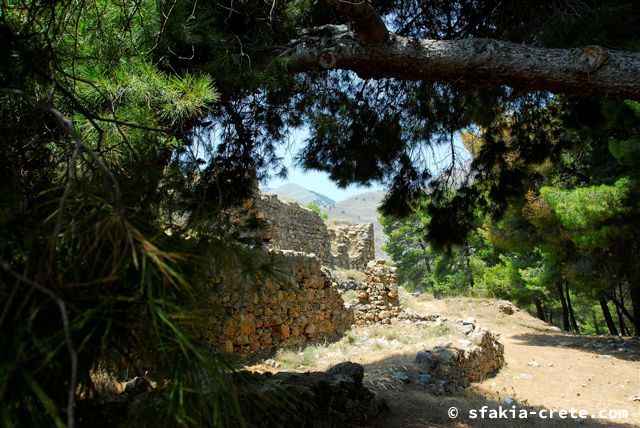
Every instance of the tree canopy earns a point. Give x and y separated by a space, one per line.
129 128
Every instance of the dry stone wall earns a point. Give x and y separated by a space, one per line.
352 245
292 227
378 295
452 367
335 398
299 303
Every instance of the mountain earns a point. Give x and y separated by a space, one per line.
360 208
294 192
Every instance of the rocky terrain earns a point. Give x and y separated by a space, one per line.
544 368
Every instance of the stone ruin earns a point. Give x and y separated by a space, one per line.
292 227
352 245
449 368
302 302
297 304
377 295
335 398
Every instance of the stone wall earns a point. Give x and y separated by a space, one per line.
297 304
352 245
292 227
378 295
335 398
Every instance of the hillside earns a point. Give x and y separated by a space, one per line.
294 192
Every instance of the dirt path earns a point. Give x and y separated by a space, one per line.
545 369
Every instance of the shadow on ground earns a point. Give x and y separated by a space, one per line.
627 348
419 409
412 406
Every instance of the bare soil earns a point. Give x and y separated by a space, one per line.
545 370
588 373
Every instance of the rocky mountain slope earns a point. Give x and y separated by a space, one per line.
294 192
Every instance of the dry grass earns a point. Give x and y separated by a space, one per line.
365 345
349 296
106 385
352 274
414 302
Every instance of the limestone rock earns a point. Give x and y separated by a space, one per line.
506 308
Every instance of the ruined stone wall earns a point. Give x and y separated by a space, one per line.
377 295
352 245
298 304
292 227
449 368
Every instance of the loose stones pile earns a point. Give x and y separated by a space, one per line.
298 304
378 295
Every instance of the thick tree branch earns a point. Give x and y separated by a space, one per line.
366 22
475 62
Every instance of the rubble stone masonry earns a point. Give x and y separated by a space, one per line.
292 227
296 304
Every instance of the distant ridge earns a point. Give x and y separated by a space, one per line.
294 192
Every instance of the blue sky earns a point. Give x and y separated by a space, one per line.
312 180
439 157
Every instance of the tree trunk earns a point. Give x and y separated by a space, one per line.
425 255
467 257
634 293
565 311
572 315
539 309
594 319
621 307
623 329
476 63
608 319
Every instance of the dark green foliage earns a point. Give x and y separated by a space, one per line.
109 224
316 208
567 244
129 128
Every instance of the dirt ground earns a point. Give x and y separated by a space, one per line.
590 373
545 370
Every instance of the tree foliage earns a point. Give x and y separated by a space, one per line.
129 128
